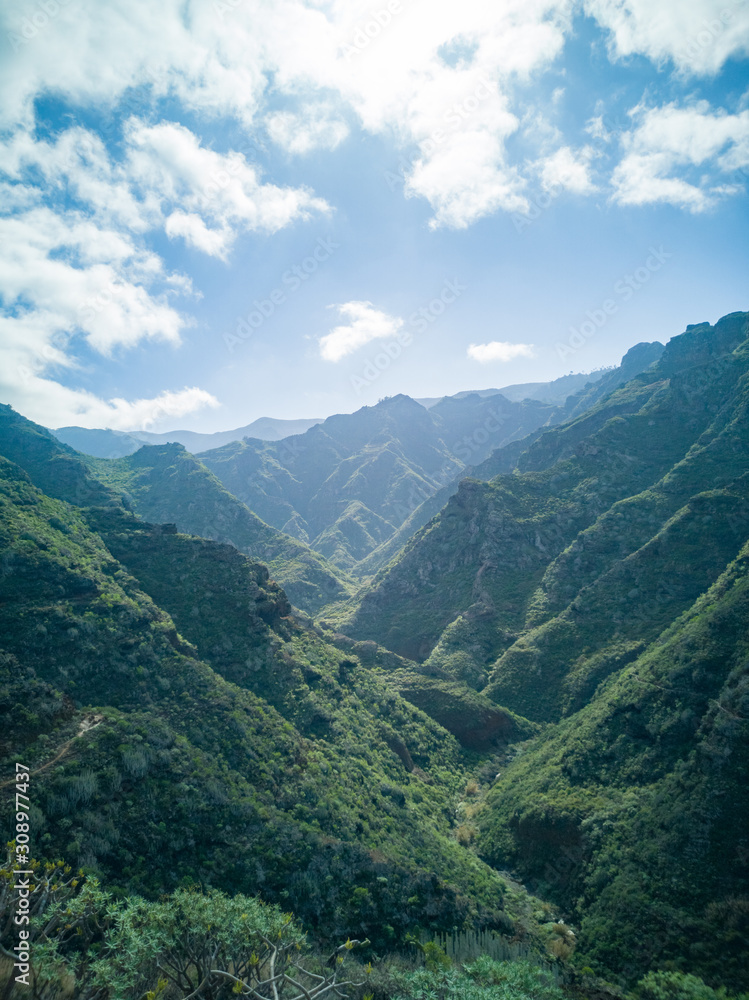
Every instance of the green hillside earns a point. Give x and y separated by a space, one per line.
164 483
600 591
525 735
180 727
348 484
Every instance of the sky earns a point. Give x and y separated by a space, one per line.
216 210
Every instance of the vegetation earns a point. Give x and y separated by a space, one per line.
599 591
163 483
182 728
548 683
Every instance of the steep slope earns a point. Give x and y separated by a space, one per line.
384 457
465 587
601 590
240 751
348 484
632 813
505 456
164 483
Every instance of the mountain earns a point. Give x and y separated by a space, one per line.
505 457
116 444
548 682
102 443
545 392
600 590
264 428
180 726
164 483
365 476
632 812
347 484
477 565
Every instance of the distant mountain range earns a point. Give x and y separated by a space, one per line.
335 500
116 444
545 392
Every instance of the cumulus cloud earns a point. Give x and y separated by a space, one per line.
439 81
499 350
366 324
439 78
668 150
98 54
80 278
698 37
53 405
451 118
85 271
217 194
34 349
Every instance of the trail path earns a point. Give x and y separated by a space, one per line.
88 723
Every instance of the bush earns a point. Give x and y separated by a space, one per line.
677 986
483 979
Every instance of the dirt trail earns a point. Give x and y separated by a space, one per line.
87 724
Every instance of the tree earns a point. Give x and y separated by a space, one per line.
211 946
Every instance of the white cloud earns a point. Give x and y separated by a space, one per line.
95 54
213 195
569 169
317 127
85 271
499 350
451 120
451 117
698 36
668 151
33 348
165 179
82 278
465 179
456 118
367 323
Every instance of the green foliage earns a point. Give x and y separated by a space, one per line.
483 979
163 483
348 484
676 986
204 944
182 728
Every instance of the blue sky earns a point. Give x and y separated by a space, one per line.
216 211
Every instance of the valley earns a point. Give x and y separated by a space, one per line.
413 674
